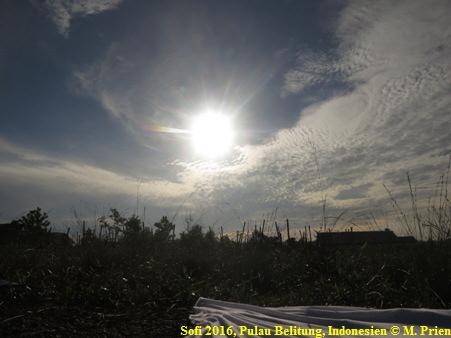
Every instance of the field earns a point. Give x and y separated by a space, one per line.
147 285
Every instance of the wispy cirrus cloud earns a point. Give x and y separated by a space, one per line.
63 11
137 93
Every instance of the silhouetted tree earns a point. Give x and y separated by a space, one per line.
164 229
133 225
35 221
133 230
195 238
118 222
210 236
193 234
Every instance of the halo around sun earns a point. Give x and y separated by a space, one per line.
212 135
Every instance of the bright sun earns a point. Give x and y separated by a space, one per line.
212 135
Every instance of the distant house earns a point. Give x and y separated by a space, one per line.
361 237
11 231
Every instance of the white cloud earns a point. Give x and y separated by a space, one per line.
108 81
312 68
63 11
43 180
393 59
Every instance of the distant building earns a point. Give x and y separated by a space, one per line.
361 237
10 232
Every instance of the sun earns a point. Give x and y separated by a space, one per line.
212 135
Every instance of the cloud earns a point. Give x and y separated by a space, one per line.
372 37
355 192
63 11
391 58
313 68
137 91
37 179
394 58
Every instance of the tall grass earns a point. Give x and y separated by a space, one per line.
151 286
435 223
438 218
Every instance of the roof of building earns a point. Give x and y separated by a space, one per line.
360 237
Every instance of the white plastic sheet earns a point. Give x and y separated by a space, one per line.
213 318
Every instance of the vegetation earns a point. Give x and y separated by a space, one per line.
128 280
147 285
35 221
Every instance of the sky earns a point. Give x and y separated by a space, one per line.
327 101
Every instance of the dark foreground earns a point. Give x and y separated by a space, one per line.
147 288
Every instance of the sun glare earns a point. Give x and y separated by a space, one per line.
212 135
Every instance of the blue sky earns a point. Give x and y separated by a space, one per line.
327 99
